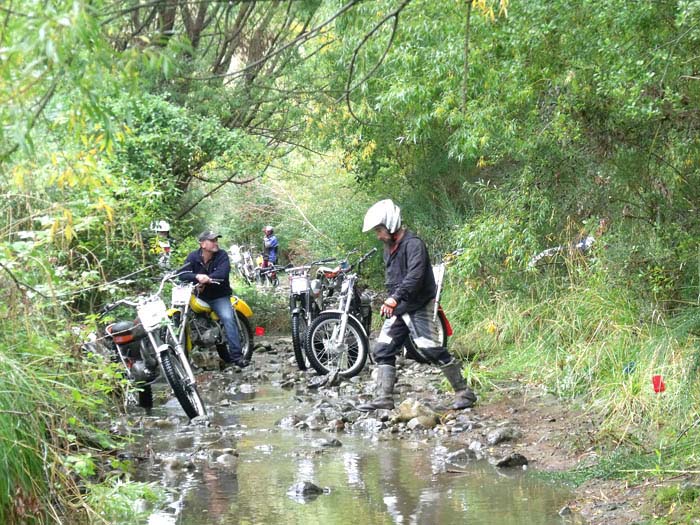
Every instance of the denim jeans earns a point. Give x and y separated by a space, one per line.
223 308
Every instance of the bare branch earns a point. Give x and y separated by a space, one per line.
298 40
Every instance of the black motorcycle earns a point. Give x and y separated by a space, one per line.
305 303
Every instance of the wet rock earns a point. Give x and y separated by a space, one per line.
247 388
502 434
369 424
512 460
289 421
177 463
352 415
216 452
422 423
461 457
305 488
263 347
332 443
383 414
227 460
475 446
316 421
466 422
565 511
336 425
411 408
304 491
162 423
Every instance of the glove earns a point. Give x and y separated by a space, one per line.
387 309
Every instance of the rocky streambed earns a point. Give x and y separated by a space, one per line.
284 446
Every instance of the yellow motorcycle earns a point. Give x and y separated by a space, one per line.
198 326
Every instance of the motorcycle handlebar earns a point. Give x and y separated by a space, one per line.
112 306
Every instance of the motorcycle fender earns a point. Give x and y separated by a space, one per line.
448 326
296 310
162 348
241 306
172 311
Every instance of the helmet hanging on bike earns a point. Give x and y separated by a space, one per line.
383 213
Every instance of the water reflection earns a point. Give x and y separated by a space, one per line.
369 479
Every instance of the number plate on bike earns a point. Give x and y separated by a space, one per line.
152 313
181 295
300 284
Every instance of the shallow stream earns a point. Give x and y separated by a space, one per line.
367 478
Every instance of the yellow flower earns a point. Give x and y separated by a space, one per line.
492 328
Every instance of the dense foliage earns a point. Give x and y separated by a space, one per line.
501 127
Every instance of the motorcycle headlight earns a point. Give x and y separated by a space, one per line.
300 284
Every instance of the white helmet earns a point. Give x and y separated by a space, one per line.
384 212
161 226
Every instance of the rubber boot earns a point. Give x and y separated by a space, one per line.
464 397
384 399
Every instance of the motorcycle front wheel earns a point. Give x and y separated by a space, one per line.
348 358
299 329
185 392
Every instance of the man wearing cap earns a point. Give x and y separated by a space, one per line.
209 267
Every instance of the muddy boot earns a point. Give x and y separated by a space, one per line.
464 397
384 399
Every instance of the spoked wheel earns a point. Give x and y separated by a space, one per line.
348 357
184 390
299 329
411 351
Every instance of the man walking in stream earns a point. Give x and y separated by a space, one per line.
408 309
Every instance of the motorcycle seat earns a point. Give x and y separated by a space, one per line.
123 332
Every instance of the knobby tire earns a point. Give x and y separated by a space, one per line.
326 360
299 329
187 395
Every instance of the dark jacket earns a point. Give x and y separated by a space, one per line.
218 268
409 274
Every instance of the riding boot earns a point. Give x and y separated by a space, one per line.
464 397
384 398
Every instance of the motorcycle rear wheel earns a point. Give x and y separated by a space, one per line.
186 393
411 351
299 329
245 332
325 359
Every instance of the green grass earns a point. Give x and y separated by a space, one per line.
23 484
582 338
